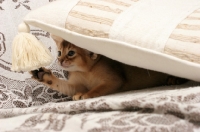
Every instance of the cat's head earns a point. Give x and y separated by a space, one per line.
73 58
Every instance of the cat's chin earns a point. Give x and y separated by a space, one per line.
69 68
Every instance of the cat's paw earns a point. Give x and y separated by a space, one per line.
77 96
40 74
81 96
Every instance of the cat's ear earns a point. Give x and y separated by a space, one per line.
93 56
57 39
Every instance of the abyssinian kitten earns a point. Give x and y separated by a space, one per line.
92 75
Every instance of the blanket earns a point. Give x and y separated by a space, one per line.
26 105
166 108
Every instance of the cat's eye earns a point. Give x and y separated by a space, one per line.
59 53
71 53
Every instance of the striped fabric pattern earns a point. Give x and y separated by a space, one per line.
184 42
86 18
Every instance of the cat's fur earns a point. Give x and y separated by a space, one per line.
92 75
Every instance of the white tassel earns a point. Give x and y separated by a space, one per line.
27 52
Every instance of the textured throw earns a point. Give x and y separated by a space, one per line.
168 109
28 106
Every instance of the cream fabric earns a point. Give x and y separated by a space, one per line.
59 10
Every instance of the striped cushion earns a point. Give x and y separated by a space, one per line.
101 16
91 24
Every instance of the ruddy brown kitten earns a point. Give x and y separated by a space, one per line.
92 75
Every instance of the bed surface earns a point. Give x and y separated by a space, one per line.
166 108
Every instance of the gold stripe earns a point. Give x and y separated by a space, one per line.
100 7
193 18
197 11
182 55
117 2
91 18
184 38
92 33
135 0
188 27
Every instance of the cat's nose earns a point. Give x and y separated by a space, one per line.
60 61
65 63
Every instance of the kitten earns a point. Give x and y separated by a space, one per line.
92 75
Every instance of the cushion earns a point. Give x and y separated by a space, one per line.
161 35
